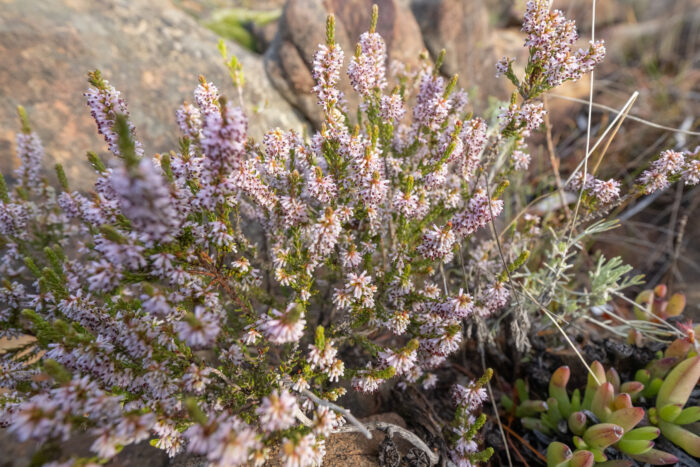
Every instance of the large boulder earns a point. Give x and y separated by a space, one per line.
289 60
151 51
471 44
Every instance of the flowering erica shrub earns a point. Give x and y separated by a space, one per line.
219 299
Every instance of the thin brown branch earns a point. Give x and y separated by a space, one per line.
345 412
517 451
525 443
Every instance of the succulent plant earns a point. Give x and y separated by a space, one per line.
652 305
670 416
654 301
560 455
605 417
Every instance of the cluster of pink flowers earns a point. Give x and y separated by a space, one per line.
226 440
391 108
367 70
604 192
30 153
200 330
280 328
671 166
523 119
479 213
189 119
468 400
328 62
551 37
145 199
470 396
105 104
432 106
521 160
13 219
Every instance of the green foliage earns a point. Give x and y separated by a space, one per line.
127 147
95 162
57 371
608 277
557 288
24 120
464 427
235 24
234 67
4 194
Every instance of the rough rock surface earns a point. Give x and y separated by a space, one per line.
461 27
289 59
151 51
353 449
472 46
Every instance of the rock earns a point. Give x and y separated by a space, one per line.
361 404
151 51
139 455
461 28
610 13
344 449
14 454
264 35
664 38
204 8
472 46
188 460
289 59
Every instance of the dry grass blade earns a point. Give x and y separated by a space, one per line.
630 117
622 116
495 411
553 319
625 109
